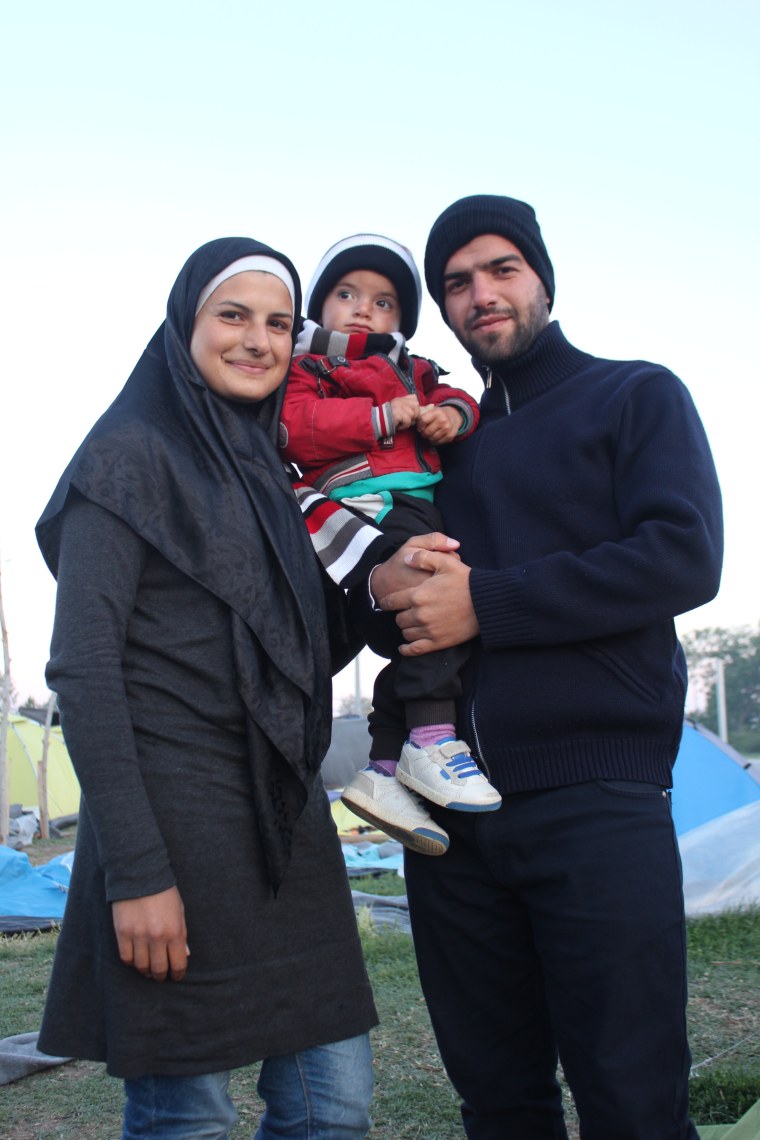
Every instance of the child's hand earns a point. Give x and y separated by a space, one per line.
439 423
404 410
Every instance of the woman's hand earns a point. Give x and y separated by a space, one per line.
152 936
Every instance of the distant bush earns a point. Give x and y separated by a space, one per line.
746 741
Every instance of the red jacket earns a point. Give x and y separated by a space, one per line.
336 420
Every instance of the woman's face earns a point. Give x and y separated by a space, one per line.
242 336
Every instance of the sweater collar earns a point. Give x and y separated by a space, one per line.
548 362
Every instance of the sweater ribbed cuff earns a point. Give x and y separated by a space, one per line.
496 598
383 425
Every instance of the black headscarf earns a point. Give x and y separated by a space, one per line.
200 479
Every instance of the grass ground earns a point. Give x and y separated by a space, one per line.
413 1097
724 1015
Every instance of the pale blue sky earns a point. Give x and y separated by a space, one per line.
131 133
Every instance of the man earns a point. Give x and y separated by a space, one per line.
588 512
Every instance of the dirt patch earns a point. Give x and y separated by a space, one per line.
43 850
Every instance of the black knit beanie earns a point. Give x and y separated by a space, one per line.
479 214
368 251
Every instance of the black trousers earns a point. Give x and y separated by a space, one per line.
413 691
553 928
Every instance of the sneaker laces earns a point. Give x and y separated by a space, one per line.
462 763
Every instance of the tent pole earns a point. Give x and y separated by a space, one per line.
720 696
357 687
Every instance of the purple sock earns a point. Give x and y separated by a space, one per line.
431 734
384 767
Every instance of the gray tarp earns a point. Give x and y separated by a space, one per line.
721 862
19 1057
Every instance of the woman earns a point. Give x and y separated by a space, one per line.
209 922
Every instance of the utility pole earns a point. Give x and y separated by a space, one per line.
720 698
357 686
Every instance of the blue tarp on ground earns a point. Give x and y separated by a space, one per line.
372 858
38 892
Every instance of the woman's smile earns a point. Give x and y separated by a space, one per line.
241 340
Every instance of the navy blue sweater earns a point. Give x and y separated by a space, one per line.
588 506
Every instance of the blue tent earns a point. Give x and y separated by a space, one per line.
710 778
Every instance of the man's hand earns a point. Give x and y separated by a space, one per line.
152 935
399 573
404 410
436 610
439 423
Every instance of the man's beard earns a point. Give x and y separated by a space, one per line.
506 345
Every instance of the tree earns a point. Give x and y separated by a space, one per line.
739 650
347 706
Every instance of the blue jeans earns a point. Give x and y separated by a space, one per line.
318 1094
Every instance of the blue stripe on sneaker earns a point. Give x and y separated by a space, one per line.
457 806
444 842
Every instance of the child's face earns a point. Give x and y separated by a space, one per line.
362 301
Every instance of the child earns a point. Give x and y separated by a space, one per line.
360 419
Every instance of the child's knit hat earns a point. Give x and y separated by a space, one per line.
479 214
369 251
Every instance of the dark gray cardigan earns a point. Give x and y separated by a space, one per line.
142 661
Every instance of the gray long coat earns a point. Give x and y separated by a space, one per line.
142 660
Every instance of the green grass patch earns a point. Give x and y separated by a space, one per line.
733 936
24 973
413 1097
724 1094
724 1014
386 883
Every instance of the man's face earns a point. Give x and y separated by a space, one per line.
495 303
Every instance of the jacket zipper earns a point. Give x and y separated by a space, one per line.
474 741
489 382
477 747
407 379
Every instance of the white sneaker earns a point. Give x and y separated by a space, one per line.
382 801
446 774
